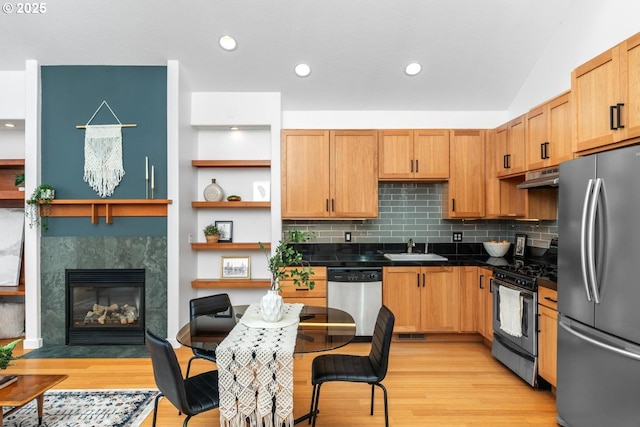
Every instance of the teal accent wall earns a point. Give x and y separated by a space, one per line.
70 96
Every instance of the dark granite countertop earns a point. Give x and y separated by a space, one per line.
372 255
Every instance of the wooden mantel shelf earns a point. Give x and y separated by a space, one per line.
108 208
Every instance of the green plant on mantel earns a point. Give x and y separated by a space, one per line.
286 256
41 197
6 354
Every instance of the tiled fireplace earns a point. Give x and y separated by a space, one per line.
59 254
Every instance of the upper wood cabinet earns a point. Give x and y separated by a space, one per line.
510 148
413 155
605 95
329 174
505 200
464 193
548 133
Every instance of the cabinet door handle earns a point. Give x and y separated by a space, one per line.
417 166
555 301
506 161
491 285
326 205
333 205
546 150
453 205
619 111
424 279
418 279
542 151
482 281
411 165
612 109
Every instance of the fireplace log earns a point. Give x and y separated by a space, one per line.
112 314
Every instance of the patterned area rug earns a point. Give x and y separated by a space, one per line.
87 408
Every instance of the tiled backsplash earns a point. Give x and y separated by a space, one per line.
413 211
60 253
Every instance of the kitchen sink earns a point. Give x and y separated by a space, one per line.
414 257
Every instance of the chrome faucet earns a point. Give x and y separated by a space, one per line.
410 246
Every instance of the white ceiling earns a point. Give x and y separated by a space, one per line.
476 54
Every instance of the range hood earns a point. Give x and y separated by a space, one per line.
541 178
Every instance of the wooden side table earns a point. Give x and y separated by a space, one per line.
23 391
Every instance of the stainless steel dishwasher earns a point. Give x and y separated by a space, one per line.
358 291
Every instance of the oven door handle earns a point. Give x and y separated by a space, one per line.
523 292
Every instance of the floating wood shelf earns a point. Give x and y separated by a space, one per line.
12 163
231 205
228 246
11 195
231 283
231 163
108 208
11 290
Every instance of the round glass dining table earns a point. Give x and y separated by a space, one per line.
319 329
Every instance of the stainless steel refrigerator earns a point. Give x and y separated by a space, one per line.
599 290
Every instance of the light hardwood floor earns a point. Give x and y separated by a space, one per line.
429 384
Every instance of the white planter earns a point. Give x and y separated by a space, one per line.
271 307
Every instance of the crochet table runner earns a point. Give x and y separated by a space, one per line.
255 369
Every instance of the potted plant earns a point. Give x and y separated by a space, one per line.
39 206
19 179
211 233
286 262
6 356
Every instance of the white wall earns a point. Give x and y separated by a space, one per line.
590 28
12 94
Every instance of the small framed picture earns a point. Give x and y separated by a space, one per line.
261 191
521 244
226 230
235 267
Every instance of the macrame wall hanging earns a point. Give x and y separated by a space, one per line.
103 168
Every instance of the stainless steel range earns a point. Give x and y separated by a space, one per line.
515 315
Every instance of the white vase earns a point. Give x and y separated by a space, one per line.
271 307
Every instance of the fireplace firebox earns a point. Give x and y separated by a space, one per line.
105 306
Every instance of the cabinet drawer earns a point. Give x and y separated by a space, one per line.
548 298
289 290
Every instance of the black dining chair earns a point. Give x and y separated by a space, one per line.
214 306
369 369
191 396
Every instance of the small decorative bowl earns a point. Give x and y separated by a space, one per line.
496 249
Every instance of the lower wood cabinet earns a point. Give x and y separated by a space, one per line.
423 299
302 294
469 299
485 303
548 334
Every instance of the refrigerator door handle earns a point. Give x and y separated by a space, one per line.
591 240
583 239
597 343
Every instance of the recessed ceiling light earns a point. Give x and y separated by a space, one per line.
10 125
228 43
234 128
302 70
413 68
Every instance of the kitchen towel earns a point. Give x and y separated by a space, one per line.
510 311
